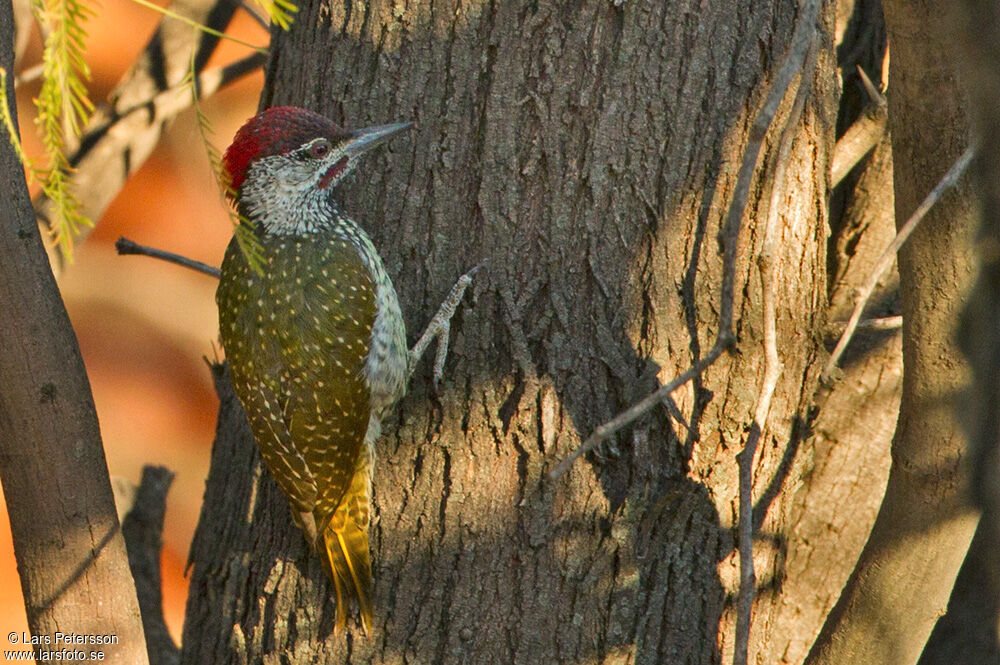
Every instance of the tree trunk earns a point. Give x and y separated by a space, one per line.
67 540
587 153
976 597
903 580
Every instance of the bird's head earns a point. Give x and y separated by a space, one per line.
290 156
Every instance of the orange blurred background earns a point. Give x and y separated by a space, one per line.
144 326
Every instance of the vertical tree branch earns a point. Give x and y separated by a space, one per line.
767 266
902 580
142 528
70 552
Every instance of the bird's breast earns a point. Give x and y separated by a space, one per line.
323 306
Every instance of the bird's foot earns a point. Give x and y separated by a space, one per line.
440 327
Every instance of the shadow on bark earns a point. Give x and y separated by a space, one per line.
603 275
256 589
967 634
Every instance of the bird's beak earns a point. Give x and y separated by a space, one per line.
363 140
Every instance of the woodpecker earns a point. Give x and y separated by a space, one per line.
314 335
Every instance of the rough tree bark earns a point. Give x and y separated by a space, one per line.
66 534
586 152
847 464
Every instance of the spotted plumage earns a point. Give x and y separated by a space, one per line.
315 340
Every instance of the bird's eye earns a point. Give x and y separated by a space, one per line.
320 149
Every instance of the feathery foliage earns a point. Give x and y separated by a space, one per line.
63 108
279 11
243 228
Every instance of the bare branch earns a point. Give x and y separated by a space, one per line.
729 235
889 255
857 142
801 39
69 549
874 93
767 267
861 137
126 247
636 411
675 413
142 529
881 323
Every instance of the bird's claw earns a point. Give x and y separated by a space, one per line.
440 327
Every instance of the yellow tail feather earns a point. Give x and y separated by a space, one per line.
348 563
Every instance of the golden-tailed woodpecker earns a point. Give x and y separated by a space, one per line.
313 334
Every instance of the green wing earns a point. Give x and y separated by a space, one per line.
297 338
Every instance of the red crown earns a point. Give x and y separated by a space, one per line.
274 131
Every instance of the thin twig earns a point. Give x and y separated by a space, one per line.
880 323
729 237
883 323
801 39
126 246
767 267
874 93
675 413
29 74
889 255
636 411
861 137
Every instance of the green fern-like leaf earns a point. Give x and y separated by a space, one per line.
63 107
69 220
243 228
279 11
